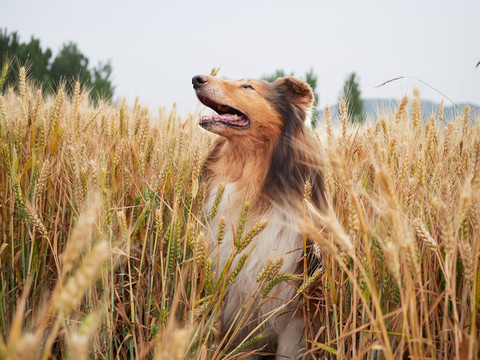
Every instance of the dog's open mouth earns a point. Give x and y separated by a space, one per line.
225 115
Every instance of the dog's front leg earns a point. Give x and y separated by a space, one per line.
291 340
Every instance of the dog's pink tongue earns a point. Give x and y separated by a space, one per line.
216 117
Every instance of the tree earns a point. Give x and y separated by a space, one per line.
8 48
352 95
68 66
8 44
29 55
102 86
70 63
310 78
36 59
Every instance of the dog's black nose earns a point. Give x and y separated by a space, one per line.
199 80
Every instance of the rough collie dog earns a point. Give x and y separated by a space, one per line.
264 155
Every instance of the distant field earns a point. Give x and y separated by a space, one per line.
103 253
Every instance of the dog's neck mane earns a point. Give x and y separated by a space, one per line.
246 166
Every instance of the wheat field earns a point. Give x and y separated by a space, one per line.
104 248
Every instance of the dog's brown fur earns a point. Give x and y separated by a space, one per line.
267 160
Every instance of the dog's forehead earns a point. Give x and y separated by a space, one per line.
256 82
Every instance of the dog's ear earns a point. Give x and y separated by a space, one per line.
297 90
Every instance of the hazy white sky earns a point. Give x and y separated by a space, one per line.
157 46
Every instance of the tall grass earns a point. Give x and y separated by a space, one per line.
104 243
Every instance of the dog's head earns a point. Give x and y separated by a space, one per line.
253 108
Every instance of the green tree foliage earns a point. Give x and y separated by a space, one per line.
68 66
9 44
310 78
37 59
70 63
30 54
102 81
352 95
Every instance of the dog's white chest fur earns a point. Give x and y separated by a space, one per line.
279 239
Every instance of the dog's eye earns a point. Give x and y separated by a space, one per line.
246 86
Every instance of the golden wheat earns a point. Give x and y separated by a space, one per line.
102 217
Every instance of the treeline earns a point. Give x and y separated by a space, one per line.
69 66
